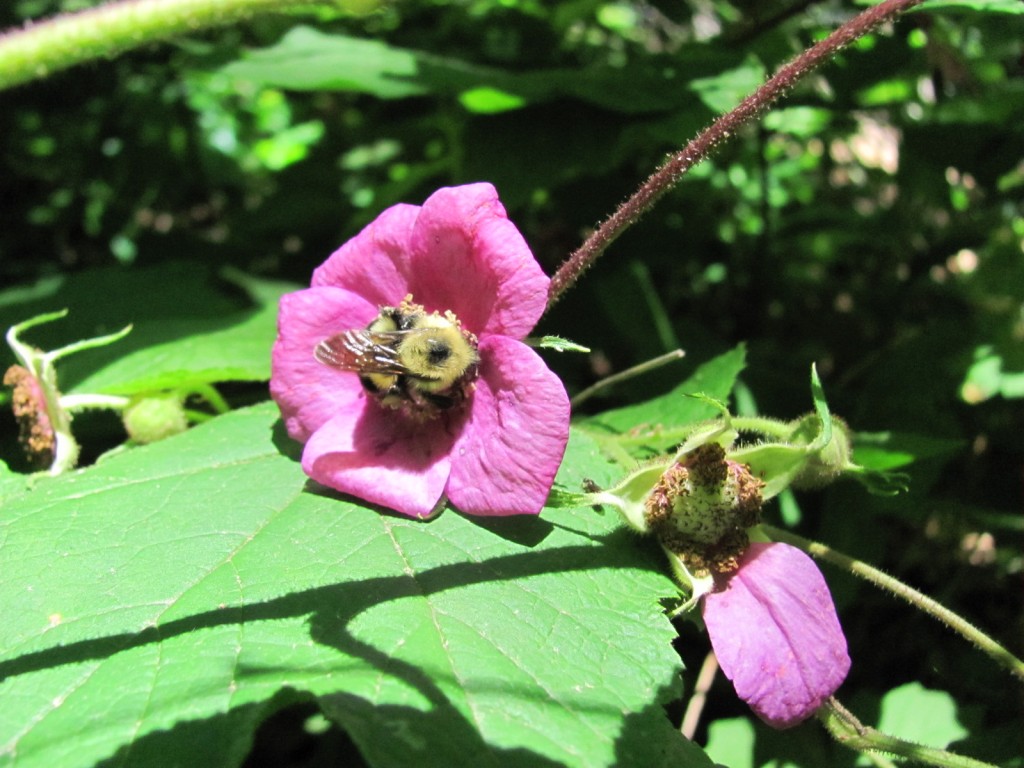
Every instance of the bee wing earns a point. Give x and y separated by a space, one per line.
360 351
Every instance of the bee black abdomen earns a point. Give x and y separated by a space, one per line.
401 321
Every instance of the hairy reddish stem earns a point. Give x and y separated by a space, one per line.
665 177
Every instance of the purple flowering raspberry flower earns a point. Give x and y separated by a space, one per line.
495 447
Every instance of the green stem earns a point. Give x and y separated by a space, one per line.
629 373
41 49
210 394
659 313
920 601
198 417
74 403
848 731
763 425
79 346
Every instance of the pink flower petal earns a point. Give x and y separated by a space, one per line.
375 263
457 252
508 453
383 457
471 259
308 392
776 634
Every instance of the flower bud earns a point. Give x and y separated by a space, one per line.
826 464
151 418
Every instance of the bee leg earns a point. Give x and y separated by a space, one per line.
442 401
431 400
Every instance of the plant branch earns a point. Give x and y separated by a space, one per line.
917 599
629 373
38 50
850 732
663 179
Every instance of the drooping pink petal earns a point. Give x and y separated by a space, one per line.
472 260
375 263
309 393
776 634
384 457
509 450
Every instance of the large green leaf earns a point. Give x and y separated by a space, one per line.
159 604
232 347
914 713
188 326
307 59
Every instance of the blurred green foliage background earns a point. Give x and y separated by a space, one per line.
873 223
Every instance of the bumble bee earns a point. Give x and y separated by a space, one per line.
407 357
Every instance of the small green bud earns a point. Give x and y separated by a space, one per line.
154 417
825 465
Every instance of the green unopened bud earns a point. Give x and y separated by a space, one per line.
828 462
701 507
154 417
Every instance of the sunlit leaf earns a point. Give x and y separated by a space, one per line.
489 101
731 742
927 717
188 328
308 59
658 424
158 603
980 6
724 91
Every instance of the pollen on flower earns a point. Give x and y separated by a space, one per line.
708 465
723 556
701 507
36 433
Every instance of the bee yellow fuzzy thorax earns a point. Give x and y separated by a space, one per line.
406 358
